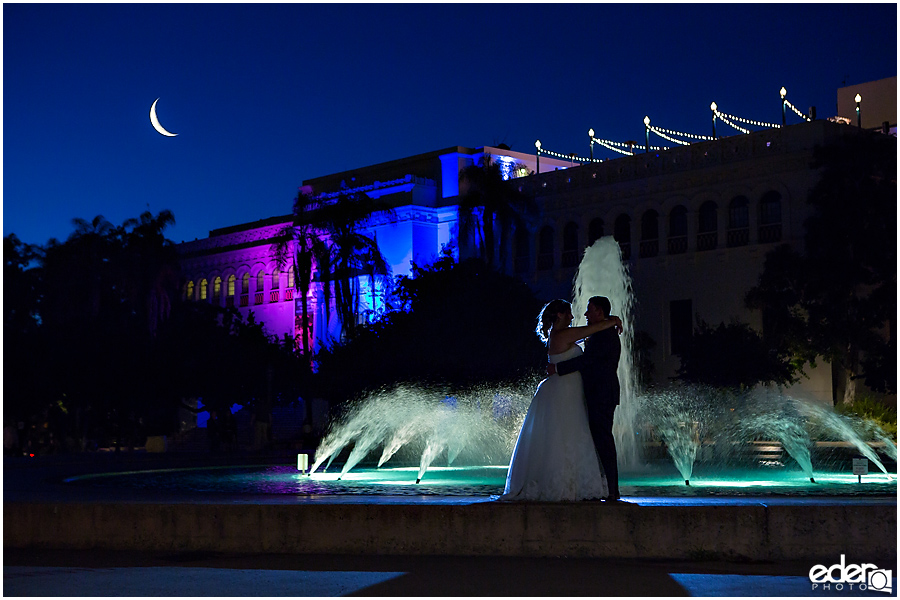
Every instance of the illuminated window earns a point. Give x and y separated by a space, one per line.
231 285
217 286
260 280
245 284
290 281
203 286
276 279
189 291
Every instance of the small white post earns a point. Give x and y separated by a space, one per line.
860 467
302 462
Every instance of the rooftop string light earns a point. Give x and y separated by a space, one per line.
667 133
542 150
786 102
618 145
727 119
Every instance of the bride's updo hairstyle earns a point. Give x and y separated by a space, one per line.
547 317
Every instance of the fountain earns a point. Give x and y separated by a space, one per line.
416 439
687 419
602 272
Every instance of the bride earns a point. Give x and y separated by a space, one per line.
555 458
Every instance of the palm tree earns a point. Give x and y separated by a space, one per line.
91 241
353 251
325 235
149 266
302 242
490 203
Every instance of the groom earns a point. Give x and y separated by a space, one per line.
598 366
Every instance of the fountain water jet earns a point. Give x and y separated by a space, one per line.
602 272
843 427
423 421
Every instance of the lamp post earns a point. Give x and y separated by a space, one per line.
713 108
537 144
591 136
858 116
647 132
783 93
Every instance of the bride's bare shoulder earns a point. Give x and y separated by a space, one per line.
558 344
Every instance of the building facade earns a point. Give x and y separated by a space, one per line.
237 266
694 222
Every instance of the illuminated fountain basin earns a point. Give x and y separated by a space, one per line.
658 480
480 427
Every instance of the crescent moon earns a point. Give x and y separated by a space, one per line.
155 122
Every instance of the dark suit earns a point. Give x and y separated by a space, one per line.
598 366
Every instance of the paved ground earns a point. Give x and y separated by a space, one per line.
37 572
97 573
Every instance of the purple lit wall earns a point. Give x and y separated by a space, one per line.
424 222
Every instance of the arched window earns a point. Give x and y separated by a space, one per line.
290 281
595 230
245 289
678 230
276 279
707 234
622 234
523 250
738 222
229 290
570 245
203 286
189 290
545 248
217 286
770 217
649 234
260 286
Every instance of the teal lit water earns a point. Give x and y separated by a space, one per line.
485 481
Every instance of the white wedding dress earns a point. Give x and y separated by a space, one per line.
554 458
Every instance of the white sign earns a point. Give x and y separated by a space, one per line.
860 466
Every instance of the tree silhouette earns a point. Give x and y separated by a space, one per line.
489 205
838 299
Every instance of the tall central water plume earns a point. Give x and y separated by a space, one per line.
602 272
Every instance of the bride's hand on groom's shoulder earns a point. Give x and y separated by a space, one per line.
618 325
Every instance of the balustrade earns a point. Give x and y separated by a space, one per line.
649 248
770 233
737 237
678 244
707 241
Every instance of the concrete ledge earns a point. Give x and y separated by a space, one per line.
585 529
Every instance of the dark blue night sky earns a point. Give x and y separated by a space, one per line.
265 96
